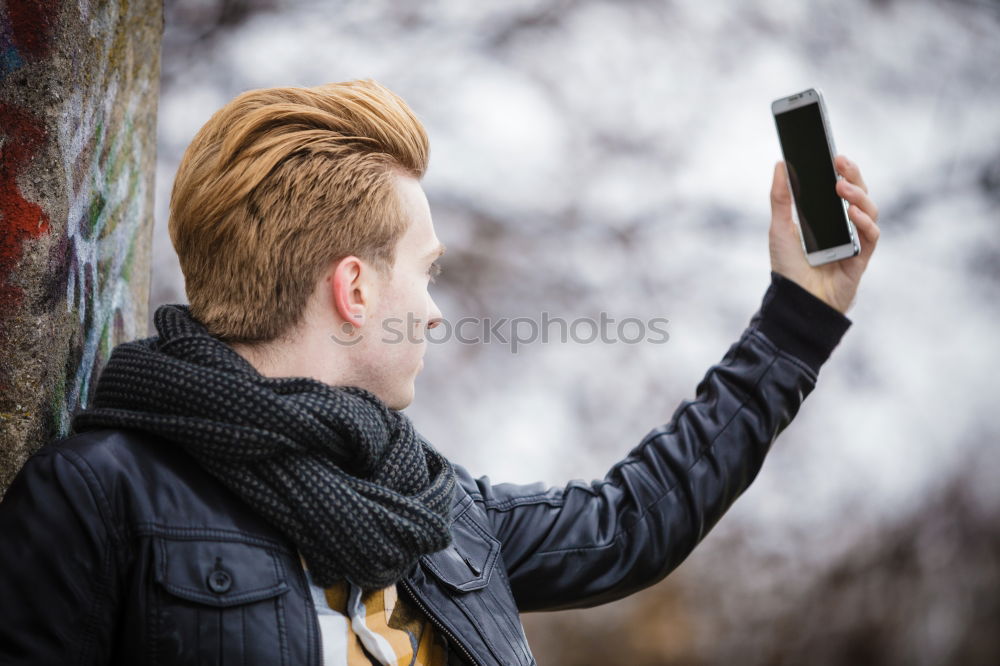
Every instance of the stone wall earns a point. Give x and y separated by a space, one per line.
79 84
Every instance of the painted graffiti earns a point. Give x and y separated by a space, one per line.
22 219
25 33
101 151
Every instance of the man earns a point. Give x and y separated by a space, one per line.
243 487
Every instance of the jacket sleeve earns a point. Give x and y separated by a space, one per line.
589 543
56 556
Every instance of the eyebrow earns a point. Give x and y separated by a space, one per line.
436 252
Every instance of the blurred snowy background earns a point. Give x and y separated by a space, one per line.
594 156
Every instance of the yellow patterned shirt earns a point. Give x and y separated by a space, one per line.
376 627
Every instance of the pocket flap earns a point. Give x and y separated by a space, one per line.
467 563
218 573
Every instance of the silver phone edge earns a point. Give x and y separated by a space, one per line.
830 254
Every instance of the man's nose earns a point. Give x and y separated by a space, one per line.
434 317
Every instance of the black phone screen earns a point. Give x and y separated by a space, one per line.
812 178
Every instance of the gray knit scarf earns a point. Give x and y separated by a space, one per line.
354 486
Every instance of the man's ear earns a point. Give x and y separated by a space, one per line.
351 297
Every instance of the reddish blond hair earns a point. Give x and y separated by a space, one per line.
279 184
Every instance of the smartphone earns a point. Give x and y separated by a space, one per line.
826 232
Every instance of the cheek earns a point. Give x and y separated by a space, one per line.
416 307
403 327
408 297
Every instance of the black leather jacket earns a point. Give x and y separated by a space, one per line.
117 548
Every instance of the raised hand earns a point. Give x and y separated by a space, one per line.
835 283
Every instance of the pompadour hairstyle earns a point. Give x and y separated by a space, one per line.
279 184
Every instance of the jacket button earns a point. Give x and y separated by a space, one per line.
219 581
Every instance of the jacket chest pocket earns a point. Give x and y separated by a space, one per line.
472 570
468 562
218 602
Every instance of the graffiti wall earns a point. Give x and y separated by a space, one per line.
78 97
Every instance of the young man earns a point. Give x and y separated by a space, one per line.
243 488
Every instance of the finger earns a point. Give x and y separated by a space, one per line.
850 171
867 228
858 197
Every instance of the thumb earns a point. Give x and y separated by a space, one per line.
781 198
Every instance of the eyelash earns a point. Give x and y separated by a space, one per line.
434 271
